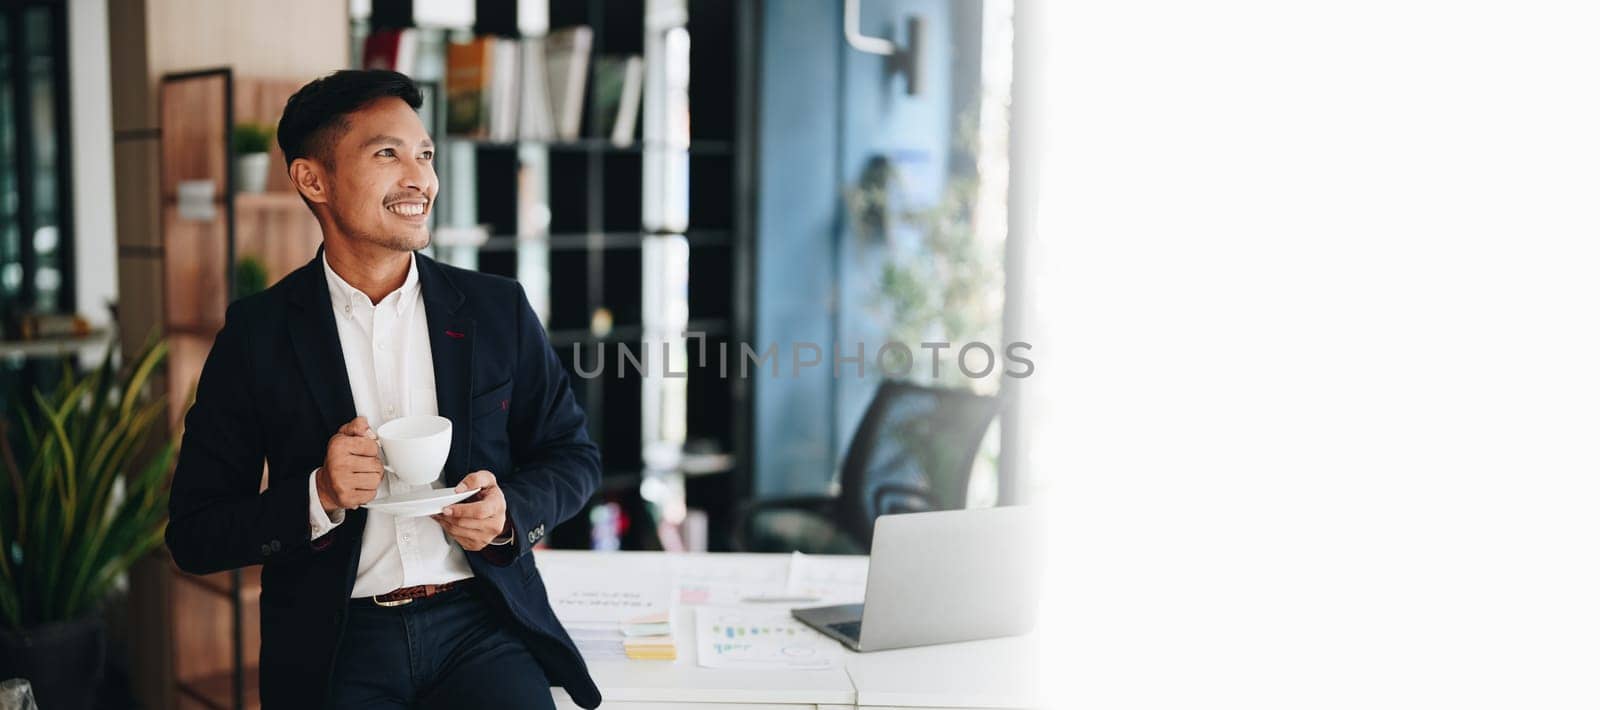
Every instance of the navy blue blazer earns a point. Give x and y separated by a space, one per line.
274 389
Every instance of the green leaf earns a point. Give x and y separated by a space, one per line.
66 534
135 384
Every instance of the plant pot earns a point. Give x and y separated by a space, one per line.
64 661
250 172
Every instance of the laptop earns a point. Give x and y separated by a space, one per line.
940 577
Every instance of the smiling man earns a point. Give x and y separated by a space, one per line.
361 609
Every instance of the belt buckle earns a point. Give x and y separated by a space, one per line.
397 602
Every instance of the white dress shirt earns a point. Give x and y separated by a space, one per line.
390 365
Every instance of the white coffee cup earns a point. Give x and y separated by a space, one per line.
414 448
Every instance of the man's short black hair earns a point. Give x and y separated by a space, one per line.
316 117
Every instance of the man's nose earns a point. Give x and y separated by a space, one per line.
419 176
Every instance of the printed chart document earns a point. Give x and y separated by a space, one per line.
606 609
828 579
801 580
746 638
588 591
725 580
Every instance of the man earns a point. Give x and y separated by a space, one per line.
360 609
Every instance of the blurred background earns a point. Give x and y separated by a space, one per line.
765 193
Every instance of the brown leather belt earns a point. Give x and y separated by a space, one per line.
406 595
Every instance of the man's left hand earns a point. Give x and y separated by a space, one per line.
479 519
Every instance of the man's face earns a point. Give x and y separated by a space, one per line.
382 185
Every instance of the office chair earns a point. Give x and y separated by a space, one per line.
911 452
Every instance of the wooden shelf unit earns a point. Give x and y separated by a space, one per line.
215 619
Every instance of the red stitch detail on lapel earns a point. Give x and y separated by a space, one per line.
505 404
455 335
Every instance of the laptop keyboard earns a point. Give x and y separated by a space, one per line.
850 629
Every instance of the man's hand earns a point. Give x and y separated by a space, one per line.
351 470
479 519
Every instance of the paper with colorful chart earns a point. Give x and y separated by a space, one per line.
740 637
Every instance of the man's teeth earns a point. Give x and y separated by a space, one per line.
409 209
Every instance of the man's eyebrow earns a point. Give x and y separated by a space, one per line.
385 139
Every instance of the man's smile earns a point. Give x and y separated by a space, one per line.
408 208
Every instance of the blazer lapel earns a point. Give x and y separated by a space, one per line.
450 338
315 338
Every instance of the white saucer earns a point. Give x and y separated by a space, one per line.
423 501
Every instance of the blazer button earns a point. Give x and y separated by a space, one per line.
538 532
266 549
276 546
532 537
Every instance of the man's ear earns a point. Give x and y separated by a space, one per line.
310 179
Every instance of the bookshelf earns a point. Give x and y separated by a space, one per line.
630 245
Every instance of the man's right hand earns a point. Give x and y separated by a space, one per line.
351 470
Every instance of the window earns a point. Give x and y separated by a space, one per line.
35 215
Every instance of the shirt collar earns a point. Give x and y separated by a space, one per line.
343 294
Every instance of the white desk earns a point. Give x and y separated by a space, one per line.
998 673
980 674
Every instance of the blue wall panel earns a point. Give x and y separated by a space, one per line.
825 111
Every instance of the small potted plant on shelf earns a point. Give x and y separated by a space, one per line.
84 496
249 276
251 141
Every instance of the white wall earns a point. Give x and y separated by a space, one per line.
1321 290
94 199
284 39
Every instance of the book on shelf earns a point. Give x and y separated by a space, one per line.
534 88
391 49
467 87
567 64
503 90
627 123
535 121
618 87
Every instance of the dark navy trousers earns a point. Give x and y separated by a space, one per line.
451 650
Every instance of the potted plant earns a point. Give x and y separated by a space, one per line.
251 141
249 276
939 279
84 497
